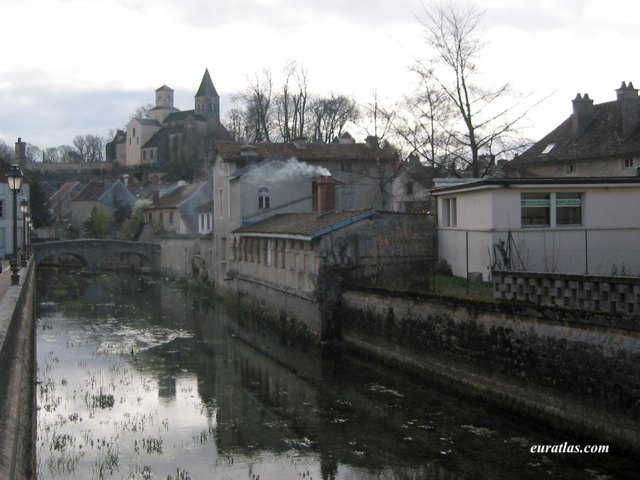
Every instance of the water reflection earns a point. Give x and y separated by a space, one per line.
138 379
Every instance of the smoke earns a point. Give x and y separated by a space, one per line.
284 171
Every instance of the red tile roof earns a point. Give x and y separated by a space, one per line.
309 225
231 151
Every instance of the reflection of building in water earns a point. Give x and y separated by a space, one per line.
167 387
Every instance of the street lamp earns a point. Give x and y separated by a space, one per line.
14 182
24 208
27 242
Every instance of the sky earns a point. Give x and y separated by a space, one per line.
77 67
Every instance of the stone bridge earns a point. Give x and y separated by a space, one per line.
93 253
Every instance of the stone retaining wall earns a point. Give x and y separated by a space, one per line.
17 381
563 367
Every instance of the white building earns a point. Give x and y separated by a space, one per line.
555 225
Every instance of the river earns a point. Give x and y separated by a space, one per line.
139 378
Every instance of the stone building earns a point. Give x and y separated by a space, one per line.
169 134
601 140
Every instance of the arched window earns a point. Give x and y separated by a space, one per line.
264 197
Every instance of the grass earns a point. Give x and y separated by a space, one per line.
457 287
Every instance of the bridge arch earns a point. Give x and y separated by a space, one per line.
94 253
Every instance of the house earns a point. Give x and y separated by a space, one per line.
255 182
178 212
168 133
411 187
60 201
601 140
111 195
288 262
570 225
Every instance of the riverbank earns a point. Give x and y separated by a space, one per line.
576 374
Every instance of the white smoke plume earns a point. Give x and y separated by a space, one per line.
284 171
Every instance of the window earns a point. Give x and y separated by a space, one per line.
627 163
536 209
409 188
568 209
144 154
571 167
449 212
170 217
548 148
161 217
264 198
1 208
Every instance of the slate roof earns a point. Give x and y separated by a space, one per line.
309 225
206 86
602 139
177 196
182 115
148 121
92 191
59 194
231 151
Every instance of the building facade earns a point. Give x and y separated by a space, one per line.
597 140
169 134
581 225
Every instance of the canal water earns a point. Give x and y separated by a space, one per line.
141 379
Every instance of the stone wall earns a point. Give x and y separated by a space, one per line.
576 370
18 380
584 292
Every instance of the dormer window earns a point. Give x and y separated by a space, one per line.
264 197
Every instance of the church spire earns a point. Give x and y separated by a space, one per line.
206 86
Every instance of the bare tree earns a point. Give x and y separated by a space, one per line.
330 115
142 111
89 148
235 122
6 152
257 100
483 114
291 103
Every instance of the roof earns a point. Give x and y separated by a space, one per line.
205 207
537 181
62 191
182 115
231 151
177 196
164 87
305 226
602 138
147 121
206 86
92 191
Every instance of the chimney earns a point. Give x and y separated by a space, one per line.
326 195
131 185
248 152
629 108
300 143
371 141
582 114
21 153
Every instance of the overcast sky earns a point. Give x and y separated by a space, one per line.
72 67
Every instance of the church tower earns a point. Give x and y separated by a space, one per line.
208 101
164 104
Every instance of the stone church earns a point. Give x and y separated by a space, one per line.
168 134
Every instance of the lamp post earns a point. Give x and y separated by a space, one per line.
27 242
14 182
24 208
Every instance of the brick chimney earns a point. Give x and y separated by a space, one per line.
627 98
582 114
326 195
